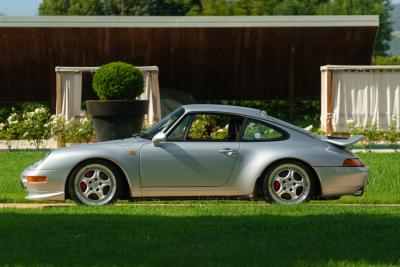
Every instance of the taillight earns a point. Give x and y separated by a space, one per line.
353 163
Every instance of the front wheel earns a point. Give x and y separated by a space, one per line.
288 182
94 183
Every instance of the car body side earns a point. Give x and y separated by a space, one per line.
326 161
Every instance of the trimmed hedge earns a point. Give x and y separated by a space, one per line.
118 81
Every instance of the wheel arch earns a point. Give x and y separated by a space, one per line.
123 172
258 191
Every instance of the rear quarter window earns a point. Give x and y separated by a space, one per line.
258 131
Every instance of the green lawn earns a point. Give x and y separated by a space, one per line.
201 235
383 186
383 182
11 165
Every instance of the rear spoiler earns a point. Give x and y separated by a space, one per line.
344 142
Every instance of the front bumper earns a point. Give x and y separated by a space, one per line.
53 189
342 180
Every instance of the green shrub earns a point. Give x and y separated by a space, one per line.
35 126
28 125
10 129
73 131
79 131
392 135
307 112
7 109
276 108
384 60
118 81
371 134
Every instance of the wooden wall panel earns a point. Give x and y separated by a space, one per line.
210 63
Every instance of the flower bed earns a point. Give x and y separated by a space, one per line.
37 126
374 137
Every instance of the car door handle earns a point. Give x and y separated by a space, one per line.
228 151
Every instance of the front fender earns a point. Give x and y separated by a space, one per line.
125 157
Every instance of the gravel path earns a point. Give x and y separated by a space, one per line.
48 205
24 144
33 205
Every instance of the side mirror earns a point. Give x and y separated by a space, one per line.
158 138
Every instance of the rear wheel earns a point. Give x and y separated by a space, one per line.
95 183
288 182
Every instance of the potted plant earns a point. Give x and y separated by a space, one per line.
117 114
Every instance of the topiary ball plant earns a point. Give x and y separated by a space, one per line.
118 81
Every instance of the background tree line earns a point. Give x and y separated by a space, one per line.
228 7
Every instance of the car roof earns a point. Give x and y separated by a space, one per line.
223 108
250 112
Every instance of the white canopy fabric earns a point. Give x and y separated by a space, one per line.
71 88
70 94
151 93
361 97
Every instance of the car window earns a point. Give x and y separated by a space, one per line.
178 134
260 131
214 127
165 123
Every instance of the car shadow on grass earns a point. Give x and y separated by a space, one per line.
152 240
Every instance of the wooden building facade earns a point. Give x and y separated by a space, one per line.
210 57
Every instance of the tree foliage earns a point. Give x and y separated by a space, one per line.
116 7
229 7
304 7
365 7
385 60
256 7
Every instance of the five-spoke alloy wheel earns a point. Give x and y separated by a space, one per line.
94 183
288 182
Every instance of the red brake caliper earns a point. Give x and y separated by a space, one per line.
89 174
83 185
277 185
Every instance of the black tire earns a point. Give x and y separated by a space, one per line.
282 187
101 169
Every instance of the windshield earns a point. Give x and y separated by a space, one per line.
164 124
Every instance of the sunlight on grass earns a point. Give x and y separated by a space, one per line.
383 185
11 165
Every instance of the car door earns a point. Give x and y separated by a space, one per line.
200 151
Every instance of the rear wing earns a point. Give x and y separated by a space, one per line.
344 142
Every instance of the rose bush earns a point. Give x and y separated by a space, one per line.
35 126
73 131
10 129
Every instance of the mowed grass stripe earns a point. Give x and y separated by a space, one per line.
383 186
201 235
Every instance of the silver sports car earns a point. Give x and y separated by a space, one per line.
203 150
